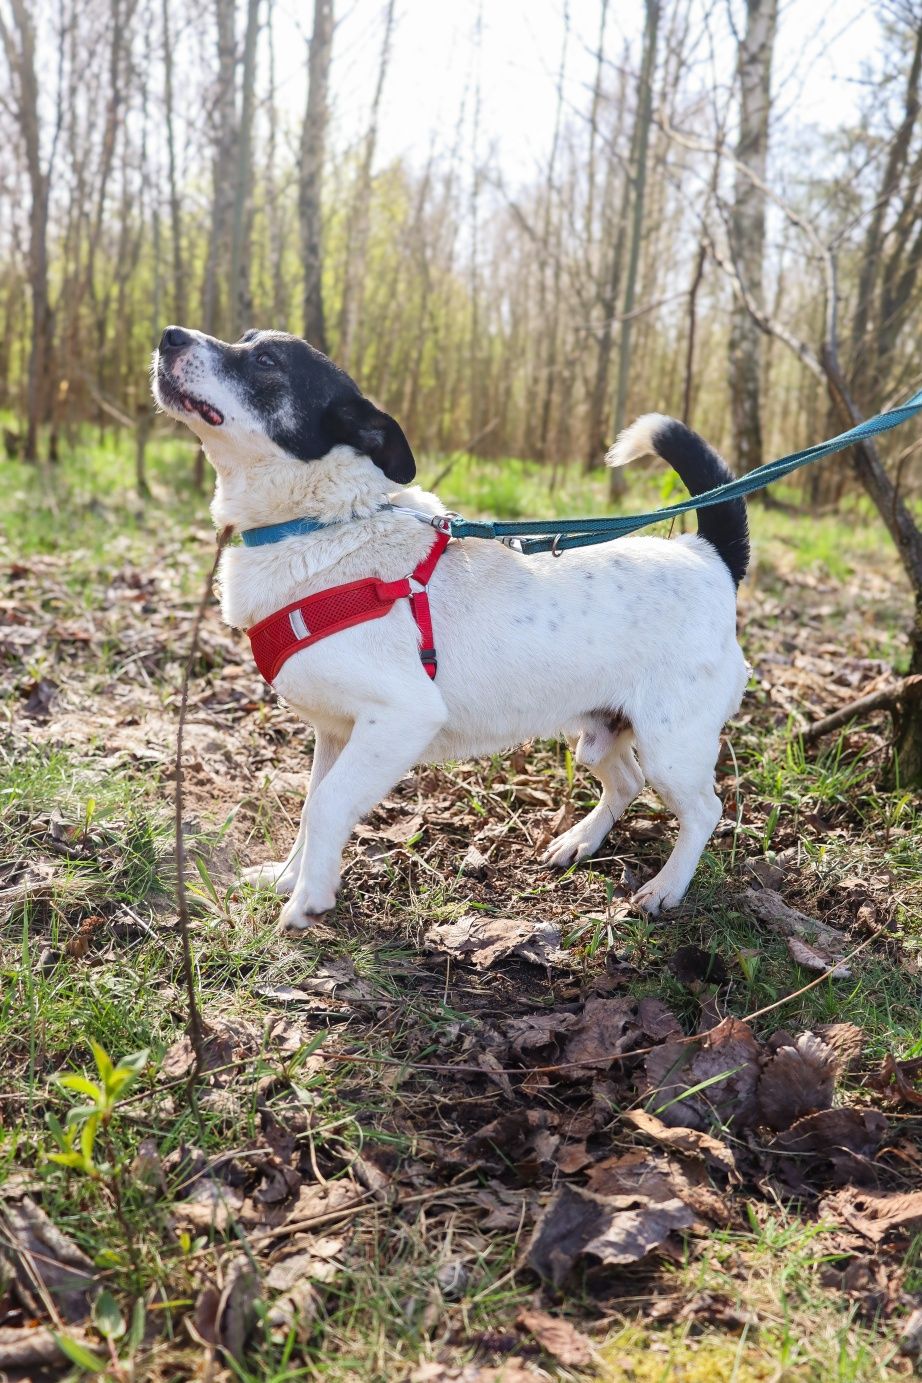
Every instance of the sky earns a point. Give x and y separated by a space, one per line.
821 47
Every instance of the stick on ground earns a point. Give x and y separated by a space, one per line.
883 700
196 1030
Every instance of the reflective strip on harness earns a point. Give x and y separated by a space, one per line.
305 622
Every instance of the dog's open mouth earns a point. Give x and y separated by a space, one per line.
177 398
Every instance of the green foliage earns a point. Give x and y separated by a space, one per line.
76 1140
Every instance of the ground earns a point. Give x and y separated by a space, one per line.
461 1132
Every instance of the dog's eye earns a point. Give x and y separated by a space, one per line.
264 358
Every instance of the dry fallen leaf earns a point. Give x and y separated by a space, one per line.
845 1039
705 1308
684 1140
568 1345
613 1229
28 1347
834 1144
294 1276
224 1314
661 1178
725 1064
899 1077
812 958
769 907
484 940
475 864
605 1030
798 1080
46 1260
874 1214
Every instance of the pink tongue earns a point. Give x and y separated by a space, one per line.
211 415
188 405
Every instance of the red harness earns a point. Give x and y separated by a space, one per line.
275 638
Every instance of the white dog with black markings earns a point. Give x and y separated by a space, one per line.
629 648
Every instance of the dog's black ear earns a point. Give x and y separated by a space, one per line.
357 422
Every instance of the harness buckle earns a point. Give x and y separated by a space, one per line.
427 657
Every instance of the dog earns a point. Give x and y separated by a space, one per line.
628 648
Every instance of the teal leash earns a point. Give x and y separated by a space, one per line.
556 535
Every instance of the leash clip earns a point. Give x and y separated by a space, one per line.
442 522
556 551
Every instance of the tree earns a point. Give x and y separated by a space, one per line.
310 180
240 307
747 227
18 41
224 140
639 145
890 264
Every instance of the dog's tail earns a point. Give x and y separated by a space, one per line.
699 468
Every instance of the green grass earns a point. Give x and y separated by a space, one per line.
101 817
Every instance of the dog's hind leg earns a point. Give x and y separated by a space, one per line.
385 744
612 761
282 875
681 769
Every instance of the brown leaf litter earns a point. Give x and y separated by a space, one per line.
52 1279
875 1214
558 1337
769 907
595 1152
485 940
611 1229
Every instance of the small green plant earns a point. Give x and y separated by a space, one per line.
123 1338
76 1138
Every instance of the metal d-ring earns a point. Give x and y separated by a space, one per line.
555 551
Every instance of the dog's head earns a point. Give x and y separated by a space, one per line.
273 391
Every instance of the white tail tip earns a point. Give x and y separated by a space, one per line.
635 441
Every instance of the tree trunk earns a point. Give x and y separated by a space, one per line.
224 141
310 182
747 229
240 306
610 264
19 45
639 178
552 249
179 266
907 538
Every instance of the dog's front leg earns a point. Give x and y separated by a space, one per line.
385 744
282 875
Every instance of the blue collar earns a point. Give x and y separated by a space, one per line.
275 532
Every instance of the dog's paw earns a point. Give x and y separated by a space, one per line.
272 875
574 845
657 896
300 914
295 924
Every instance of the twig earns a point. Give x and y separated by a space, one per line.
347 1211
885 699
196 1030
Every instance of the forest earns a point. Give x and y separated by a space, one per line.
490 1124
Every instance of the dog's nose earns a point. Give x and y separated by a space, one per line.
174 338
